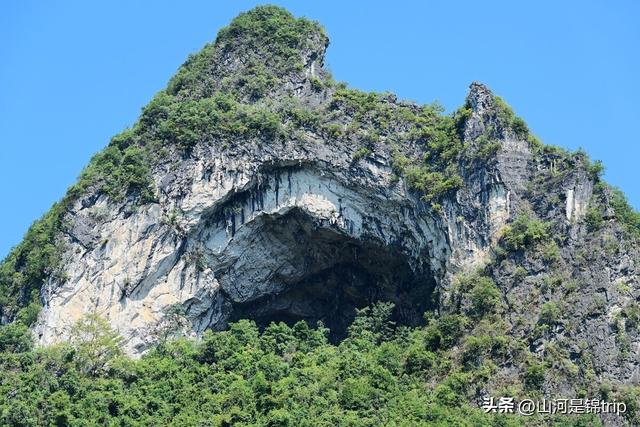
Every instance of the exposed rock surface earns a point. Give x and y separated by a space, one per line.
303 227
299 232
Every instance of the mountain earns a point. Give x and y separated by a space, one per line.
257 187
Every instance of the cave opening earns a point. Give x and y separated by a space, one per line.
326 274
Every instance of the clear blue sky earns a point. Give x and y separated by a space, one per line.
74 73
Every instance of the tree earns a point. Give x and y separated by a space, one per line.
485 296
95 344
172 325
373 323
15 338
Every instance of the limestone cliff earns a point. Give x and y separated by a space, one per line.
255 186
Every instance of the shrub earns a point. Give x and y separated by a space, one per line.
508 118
444 332
433 184
27 266
534 376
551 252
520 273
625 214
524 232
485 296
595 169
486 148
550 313
593 218
361 153
632 315
520 127
15 338
316 84
478 347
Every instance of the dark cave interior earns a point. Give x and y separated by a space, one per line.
338 273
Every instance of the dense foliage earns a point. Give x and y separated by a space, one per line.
283 376
427 146
380 374
524 232
29 265
271 43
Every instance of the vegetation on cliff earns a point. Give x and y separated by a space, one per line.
291 375
381 374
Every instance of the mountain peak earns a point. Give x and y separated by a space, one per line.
480 97
255 187
262 50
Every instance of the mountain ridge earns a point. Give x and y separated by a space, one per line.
253 171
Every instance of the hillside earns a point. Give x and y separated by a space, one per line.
213 265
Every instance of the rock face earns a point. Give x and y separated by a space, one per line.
277 233
319 218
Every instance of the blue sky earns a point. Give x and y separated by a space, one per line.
74 73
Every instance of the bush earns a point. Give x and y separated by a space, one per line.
485 296
520 127
29 264
593 218
437 172
361 153
478 347
534 376
433 184
550 313
525 232
444 332
551 252
486 148
631 313
119 170
595 170
15 338
191 122
509 119
625 214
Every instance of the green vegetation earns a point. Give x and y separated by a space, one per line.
525 232
361 153
487 148
631 314
120 170
593 218
381 374
625 214
534 376
508 117
595 169
485 296
29 264
550 313
268 38
436 171
168 121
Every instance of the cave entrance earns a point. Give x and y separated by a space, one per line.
326 274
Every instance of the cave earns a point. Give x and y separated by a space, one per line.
325 274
